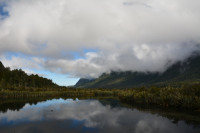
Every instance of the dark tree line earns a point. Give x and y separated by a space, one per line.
18 79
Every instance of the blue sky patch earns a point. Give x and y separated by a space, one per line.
60 79
81 55
3 12
9 55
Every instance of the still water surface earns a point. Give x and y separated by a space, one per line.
87 116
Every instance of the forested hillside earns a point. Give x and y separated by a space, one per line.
18 79
186 72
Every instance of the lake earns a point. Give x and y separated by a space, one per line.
91 116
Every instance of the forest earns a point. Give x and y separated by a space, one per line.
18 79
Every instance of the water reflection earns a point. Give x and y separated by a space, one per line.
86 116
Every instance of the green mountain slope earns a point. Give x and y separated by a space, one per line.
187 71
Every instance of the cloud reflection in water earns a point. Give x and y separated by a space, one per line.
85 116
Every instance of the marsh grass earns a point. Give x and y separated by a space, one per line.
181 97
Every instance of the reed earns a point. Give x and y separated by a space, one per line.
182 97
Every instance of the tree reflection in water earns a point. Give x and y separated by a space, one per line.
68 115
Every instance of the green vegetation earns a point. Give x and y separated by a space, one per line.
187 96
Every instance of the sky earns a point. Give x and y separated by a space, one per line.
65 40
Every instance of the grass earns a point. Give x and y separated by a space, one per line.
187 97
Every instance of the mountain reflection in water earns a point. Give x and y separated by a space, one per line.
85 116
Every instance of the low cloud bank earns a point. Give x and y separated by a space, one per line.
133 35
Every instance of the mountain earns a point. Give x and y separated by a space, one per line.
18 79
83 81
187 71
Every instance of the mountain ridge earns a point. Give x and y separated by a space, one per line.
176 74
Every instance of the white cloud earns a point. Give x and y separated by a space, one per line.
137 35
26 64
21 62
